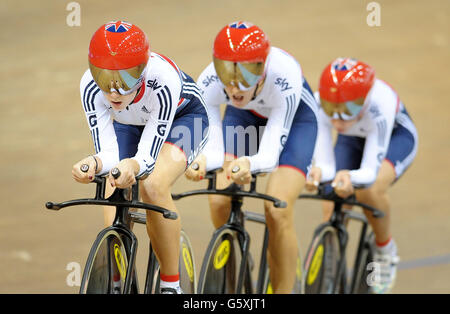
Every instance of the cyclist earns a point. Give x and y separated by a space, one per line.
377 141
269 125
141 110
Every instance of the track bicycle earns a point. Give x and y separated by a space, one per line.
110 267
325 263
227 265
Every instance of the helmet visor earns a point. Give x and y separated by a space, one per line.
345 110
243 75
124 81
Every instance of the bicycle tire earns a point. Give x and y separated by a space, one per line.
220 265
363 274
298 284
156 280
321 264
153 275
106 266
188 274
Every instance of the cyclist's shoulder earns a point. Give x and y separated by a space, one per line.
281 63
383 97
86 79
282 57
284 73
163 71
211 87
91 96
208 78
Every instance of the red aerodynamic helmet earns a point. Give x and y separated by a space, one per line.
118 54
239 54
241 42
343 87
346 79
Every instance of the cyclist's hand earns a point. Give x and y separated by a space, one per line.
239 171
128 168
84 170
313 179
197 170
342 184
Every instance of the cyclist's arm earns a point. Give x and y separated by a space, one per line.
323 152
100 124
376 146
285 105
214 149
266 159
164 103
214 95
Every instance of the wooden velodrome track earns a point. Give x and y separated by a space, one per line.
43 128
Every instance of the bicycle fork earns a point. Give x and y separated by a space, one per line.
131 243
358 260
340 280
244 243
263 264
236 222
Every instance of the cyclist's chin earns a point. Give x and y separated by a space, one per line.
117 105
239 101
342 126
239 98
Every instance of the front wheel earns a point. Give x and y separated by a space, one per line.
220 265
321 264
106 267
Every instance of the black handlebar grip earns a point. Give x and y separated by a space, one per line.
170 215
115 172
378 214
52 206
280 204
84 167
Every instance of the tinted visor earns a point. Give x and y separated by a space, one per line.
242 75
345 110
123 81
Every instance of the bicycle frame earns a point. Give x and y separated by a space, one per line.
120 224
236 223
338 221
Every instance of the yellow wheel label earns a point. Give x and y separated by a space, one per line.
222 254
316 263
188 262
120 261
269 288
